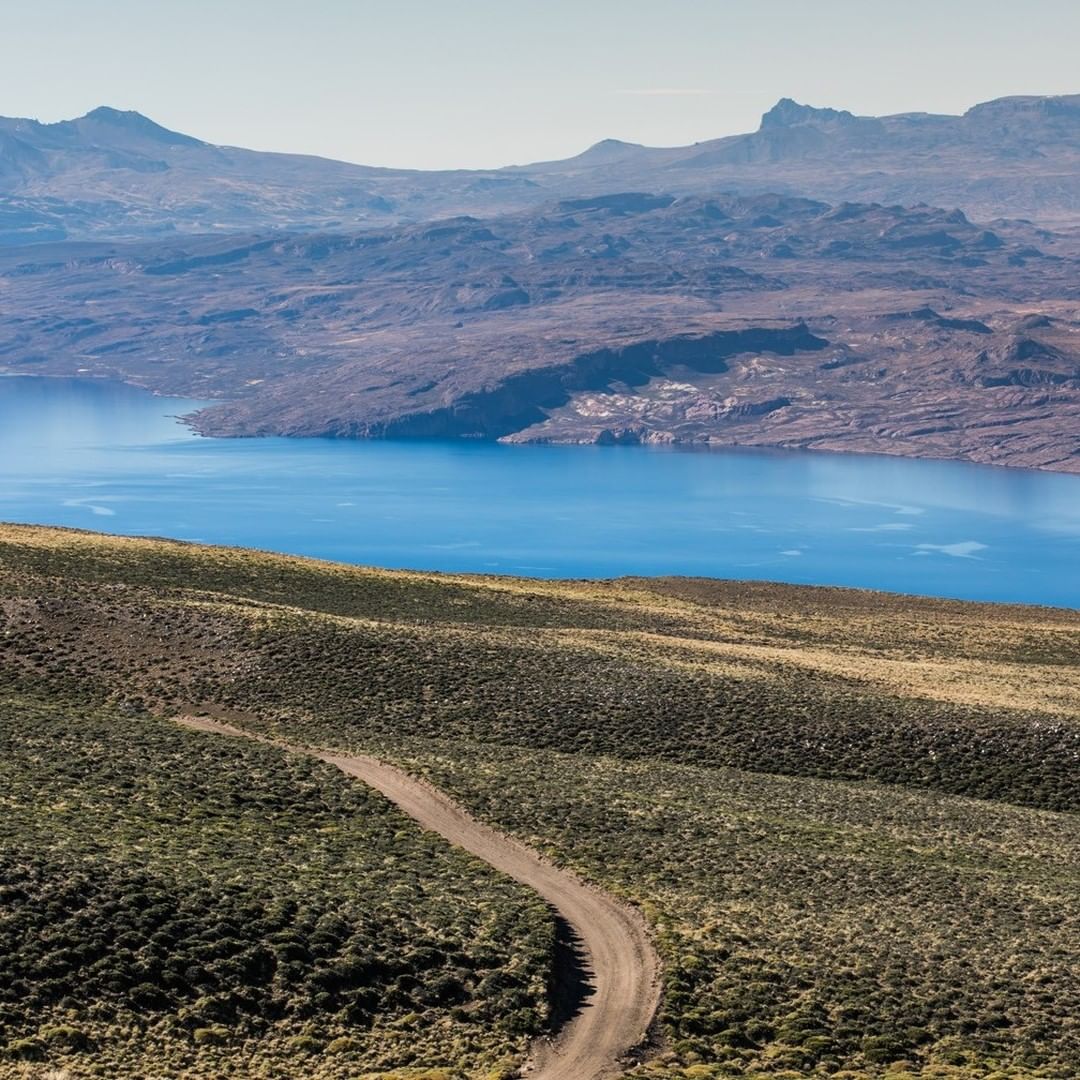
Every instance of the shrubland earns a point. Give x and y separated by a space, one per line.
812 927
176 905
851 818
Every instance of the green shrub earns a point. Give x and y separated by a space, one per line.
210 1036
64 1035
25 1049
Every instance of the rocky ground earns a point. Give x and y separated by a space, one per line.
767 321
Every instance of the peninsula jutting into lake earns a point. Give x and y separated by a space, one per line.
627 296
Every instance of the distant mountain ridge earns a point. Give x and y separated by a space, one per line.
1011 157
119 175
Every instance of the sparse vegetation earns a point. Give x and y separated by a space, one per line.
780 777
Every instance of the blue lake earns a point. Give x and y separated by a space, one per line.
112 458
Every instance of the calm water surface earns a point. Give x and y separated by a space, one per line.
112 458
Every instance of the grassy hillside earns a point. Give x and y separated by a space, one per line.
813 926
851 817
176 905
963 698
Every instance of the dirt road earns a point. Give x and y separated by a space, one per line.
622 967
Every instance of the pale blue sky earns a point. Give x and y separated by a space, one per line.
477 83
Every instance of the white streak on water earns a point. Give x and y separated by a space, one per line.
94 508
965 549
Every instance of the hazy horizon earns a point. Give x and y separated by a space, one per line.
487 84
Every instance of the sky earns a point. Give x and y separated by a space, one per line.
483 83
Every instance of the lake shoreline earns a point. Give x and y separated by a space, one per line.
97 453
190 421
450 576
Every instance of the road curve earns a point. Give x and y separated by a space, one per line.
624 969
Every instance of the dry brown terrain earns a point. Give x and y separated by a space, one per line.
714 321
901 285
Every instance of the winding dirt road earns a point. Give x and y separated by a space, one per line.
623 968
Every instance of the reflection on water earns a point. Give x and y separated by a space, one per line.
113 458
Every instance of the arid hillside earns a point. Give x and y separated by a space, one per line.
764 321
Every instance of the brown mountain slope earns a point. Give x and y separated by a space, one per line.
769 321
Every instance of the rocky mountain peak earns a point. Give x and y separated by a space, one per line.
789 113
1026 108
